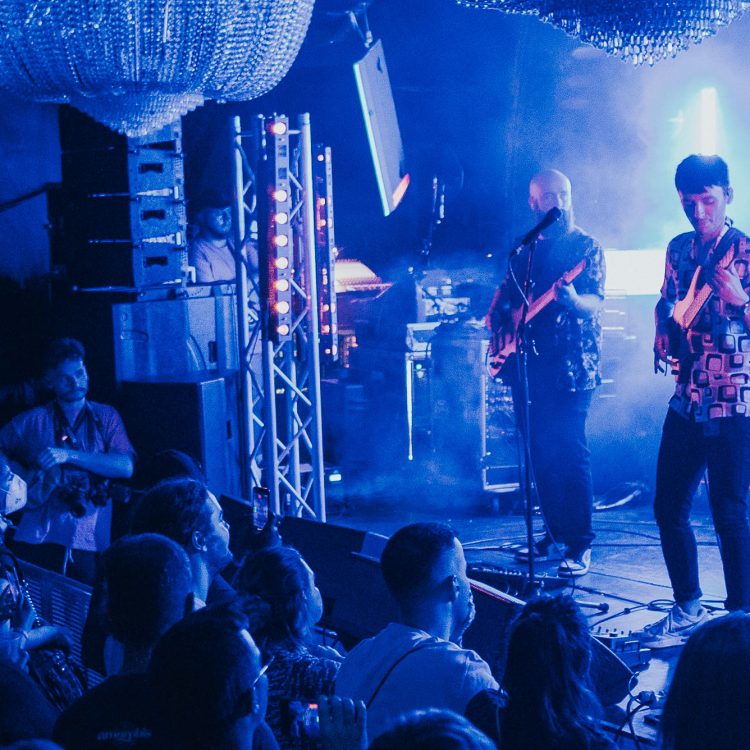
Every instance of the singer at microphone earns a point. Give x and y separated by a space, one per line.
549 219
563 345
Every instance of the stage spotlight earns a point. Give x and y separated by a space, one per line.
708 121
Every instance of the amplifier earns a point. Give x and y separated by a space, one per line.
419 335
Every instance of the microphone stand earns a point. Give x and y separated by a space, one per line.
523 401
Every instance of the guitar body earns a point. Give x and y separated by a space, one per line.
499 349
499 352
689 307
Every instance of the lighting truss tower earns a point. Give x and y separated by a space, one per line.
278 323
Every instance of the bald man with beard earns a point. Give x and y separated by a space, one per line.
564 352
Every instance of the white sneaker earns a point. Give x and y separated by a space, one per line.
544 550
575 566
672 630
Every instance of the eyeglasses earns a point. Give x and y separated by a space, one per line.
262 671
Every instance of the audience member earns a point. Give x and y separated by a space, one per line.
551 704
25 712
185 511
23 637
301 671
33 745
166 464
707 701
16 613
209 689
68 449
149 587
418 662
343 723
433 729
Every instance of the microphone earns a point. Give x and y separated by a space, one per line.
547 220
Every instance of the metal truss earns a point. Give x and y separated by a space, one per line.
277 305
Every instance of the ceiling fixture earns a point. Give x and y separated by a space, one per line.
638 31
137 65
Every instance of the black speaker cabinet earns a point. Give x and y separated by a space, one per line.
198 415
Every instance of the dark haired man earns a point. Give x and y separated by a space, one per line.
418 662
211 250
707 425
209 688
68 449
149 587
184 510
564 352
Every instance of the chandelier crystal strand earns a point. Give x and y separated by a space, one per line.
137 65
638 32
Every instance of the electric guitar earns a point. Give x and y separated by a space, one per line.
689 307
499 353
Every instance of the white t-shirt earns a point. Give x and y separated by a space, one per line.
436 674
212 261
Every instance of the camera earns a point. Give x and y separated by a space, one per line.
77 493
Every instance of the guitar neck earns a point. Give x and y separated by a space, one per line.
540 303
704 294
549 296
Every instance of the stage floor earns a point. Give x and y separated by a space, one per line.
627 578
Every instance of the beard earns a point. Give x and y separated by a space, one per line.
463 622
561 227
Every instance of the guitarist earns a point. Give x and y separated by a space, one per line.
563 369
707 425
68 450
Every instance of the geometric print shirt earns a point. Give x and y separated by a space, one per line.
714 377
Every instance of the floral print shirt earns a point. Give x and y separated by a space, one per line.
565 349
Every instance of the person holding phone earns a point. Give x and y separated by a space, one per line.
284 585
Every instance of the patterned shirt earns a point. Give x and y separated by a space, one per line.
296 678
714 378
565 348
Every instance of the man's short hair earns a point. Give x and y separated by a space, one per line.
410 557
148 581
201 672
432 729
175 508
63 350
696 172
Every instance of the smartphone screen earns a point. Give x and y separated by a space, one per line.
260 506
302 719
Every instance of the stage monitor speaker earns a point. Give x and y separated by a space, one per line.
197 416
346 565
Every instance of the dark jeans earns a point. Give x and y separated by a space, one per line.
81 565
562 463
686 450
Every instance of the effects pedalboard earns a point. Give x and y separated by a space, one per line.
512 581
625 645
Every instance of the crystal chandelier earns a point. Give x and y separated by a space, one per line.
638 31
137 65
